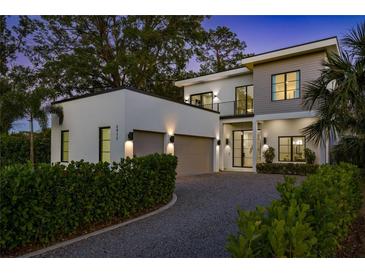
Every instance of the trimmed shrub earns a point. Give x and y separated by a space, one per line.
15 148
309 220
286 168
310 156
50 202
269 154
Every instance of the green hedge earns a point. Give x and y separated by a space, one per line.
15 148
310 220
286 168
53 201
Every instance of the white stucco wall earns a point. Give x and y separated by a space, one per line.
224 89
129 110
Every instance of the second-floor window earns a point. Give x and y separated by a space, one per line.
244 100
204 100
285 86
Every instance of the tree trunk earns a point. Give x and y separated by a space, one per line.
31 140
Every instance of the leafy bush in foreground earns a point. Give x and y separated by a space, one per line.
309 220
53 201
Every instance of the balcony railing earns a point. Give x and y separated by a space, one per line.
231 108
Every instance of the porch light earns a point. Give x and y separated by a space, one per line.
130 136
218 142
227 141
265 140
172 139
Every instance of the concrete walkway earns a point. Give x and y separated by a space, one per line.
196 226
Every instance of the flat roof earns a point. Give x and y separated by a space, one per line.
130 89
212 77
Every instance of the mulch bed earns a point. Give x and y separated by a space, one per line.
354 245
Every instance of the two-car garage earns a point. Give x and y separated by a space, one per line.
195 154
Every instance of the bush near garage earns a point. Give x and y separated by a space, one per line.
309 220
15 148
50 202
286 168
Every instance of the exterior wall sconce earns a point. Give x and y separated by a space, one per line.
265 140
215 96
172 139
227 141
130 136
218 142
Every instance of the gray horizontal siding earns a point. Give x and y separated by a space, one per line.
309 66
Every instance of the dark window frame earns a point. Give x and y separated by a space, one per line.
101 140
201 100
242 148
291 148
285 87
62 145
235 100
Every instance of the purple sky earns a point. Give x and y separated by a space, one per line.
265 33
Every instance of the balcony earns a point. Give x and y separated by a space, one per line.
238 108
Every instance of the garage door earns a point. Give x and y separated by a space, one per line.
195 154
147 142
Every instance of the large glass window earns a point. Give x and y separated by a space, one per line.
291 149
64 145
244 100
104 147
204 100
285 86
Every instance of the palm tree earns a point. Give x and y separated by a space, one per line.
33 101
338 95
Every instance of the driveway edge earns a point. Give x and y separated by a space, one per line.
106 229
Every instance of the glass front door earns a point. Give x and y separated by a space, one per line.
243 148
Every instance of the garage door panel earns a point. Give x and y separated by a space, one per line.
195 155
146 142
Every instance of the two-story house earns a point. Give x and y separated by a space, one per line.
226 122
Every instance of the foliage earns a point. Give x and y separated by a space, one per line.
309 220
310 156
339 95
15 148
286 168
350 149
269 154
222 50
51 202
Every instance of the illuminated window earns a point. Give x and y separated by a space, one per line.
244 100
291 149
285 86
104 144
64 145
204 100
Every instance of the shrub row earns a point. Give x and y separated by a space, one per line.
309 220
286 168
15 148
53 201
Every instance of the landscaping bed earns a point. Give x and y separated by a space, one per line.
51 203
286 168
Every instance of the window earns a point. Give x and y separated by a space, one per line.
204 100
291 149
244 100
104 144
285 86
64 145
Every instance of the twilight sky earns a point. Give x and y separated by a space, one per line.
265 33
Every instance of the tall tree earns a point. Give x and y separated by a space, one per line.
222 50
338 95
85 53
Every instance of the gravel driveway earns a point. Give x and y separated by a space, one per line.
196 226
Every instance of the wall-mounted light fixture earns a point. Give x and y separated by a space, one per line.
218 142
265 140
130 136
227 141
172 139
